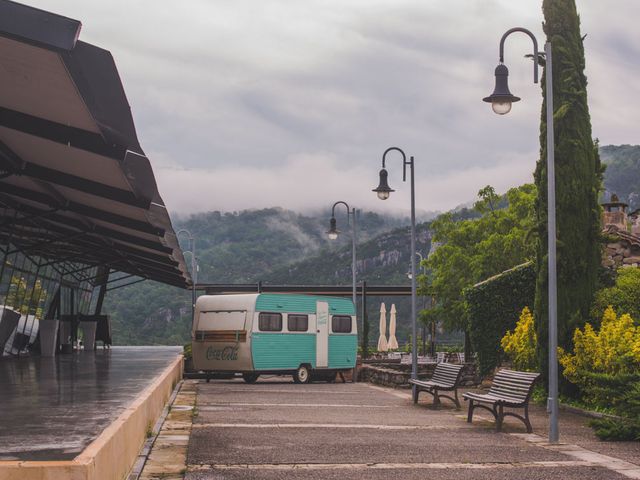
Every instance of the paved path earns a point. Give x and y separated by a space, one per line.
275 429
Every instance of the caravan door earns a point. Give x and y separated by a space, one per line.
322 334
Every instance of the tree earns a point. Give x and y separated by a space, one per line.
624 296
475 249
27 299
578 181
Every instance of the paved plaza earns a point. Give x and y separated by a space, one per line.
276 429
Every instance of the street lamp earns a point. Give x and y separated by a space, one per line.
501 100
333 232
383 190
194 270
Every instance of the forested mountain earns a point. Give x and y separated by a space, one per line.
279 246
260 245
622 175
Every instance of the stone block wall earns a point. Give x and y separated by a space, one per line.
397 376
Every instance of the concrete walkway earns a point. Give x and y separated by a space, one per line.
275 429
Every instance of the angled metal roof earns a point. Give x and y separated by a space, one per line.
74 181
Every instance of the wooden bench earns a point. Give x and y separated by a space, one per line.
511 389
446 377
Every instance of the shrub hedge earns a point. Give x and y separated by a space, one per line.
494 306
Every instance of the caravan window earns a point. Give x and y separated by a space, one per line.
341 324
297 323
270 322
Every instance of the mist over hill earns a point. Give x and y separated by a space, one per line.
278 246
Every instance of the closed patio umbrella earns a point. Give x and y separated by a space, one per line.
382 339
393 341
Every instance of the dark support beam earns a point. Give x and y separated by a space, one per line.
85 210
59 133
333 290
101 281
126 284
365 321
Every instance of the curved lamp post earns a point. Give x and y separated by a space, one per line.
501 100
383 190
194 269
333 233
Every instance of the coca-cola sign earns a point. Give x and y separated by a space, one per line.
226 353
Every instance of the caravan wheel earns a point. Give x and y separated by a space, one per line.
302 375
250 377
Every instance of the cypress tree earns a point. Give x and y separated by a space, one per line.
578 181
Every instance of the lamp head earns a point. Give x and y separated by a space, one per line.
333 232
383 190
501 98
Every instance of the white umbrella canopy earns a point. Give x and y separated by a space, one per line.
393 341
382 339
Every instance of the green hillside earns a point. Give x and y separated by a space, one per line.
282 247
244 247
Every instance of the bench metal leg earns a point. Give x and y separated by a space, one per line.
470 413
415 391
526 419
499 418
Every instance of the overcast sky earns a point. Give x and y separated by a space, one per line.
249 104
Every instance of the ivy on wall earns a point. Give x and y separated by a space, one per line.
494 307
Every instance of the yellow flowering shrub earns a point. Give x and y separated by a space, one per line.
520 346
614 349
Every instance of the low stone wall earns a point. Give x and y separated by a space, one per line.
397 376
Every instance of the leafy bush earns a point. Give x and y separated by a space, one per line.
615 349
493 307
615 429
187 352
606 367
624 296
520 346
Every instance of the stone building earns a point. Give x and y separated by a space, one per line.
621 230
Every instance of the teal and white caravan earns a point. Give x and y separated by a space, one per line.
309 337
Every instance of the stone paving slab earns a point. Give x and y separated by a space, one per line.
356 445
445 473
276 429
167 459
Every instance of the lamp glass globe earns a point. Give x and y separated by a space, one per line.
501 107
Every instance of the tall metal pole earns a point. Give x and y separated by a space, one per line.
554 433
383 190
353 257
414 320
333 234
194 279
500 96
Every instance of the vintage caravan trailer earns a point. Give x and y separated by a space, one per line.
308 337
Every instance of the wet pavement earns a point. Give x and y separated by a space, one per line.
52 408
276 429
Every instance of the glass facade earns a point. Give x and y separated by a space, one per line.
33 288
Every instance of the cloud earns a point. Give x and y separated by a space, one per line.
316 181
258 95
